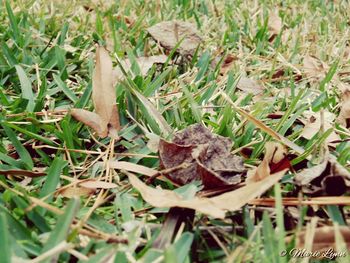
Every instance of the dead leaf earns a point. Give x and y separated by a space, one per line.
314 68
169 33
94 184
106 119
144 63
275 160
324 238
226 65
166 198
326 178
73 191
215 206
344 114
274 24
313 126
18 172
248 85
207 157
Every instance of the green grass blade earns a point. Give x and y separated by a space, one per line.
62 226
63 87
53 176
5 247
22 152
26 87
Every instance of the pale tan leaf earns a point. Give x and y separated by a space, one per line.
153 142
132 167
250 86
103 92
215 206
169 33
106 119
314 68
144 63
274 24
307 175
166 198
94 184
90 119
313 126
234 200
76 191
344 114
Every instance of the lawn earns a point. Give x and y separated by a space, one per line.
174 131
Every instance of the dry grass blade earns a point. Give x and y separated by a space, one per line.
263 127
294 201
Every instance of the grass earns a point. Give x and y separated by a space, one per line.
46 65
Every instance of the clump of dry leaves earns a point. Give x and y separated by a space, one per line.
206 156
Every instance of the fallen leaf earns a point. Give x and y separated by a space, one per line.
144 63
248 85
326 178
206 156
73 191
344 114
274 24
166 198
169 33
94 184
215 206
106 119
275 160
19 172
133 167
226 65
324 238
313 126
314 68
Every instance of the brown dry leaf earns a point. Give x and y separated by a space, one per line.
314 68
313 125
144 63
328 177
106 119
94 184
169 33
18 172
250 86
344 114
234 200
215 206
324 238
274 24
274 160
206 156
